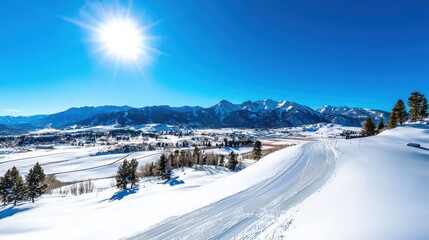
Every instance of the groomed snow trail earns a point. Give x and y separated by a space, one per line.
250 214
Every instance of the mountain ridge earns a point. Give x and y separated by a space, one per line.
266 113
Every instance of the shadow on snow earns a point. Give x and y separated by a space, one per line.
7 212
119 195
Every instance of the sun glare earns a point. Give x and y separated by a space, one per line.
121 38
117 35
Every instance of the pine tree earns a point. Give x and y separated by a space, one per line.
122 175
257 150
401 111
393 120
232 161
423 108
369 128
6 184
162 167
381 125
35 182
132 172
418 106
17 192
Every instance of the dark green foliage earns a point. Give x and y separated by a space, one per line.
127 173
35 182
17 191
232 161
132 172
381 125
257 150
393 122
162 167
369 128
418 106
401 111
122 175
6 184
423 109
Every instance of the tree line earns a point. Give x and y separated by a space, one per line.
418 111
127 173
13 188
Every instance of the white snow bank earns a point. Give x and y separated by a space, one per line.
380 191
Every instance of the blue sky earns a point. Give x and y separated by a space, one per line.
354 53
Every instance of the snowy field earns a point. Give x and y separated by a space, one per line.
322 188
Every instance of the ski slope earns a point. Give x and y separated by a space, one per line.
249 213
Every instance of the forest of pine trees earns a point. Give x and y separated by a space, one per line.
14 189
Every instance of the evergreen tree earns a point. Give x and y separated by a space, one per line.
132 172
393 120
162 167
418 106
122 175
381 125
257 150
401 111
423 108
232 161
17 192
369 127
35 182
6 183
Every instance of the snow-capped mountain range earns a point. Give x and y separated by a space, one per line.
262 114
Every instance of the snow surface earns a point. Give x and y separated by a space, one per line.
368 188
380 191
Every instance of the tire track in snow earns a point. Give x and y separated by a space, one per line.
250 214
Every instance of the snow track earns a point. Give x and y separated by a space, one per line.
250 213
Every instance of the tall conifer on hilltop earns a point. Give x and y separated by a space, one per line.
393 122
401 111
418 106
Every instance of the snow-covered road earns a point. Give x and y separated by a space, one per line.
250 213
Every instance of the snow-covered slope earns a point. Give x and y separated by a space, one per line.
368 188
380 191
271 186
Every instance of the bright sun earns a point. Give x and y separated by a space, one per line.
117 35
122 39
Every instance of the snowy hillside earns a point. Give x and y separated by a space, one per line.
379 191
367 188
